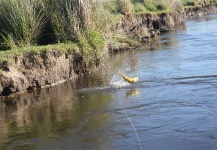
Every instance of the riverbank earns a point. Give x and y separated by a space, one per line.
144 27
50 66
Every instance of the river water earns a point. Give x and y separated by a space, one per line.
173 106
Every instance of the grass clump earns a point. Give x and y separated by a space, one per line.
126 6
91 44
139 8
78 21
155 5
21 22
189 3
158 6
197 3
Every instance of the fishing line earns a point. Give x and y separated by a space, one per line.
128 117
106 19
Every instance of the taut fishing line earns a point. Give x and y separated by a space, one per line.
128 117
103 11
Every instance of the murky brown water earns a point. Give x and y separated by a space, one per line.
172 107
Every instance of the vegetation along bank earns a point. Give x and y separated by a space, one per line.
45 42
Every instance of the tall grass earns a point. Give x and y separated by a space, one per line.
67 18
78 21
85 22
21 22
126 6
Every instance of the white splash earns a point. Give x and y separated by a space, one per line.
118 82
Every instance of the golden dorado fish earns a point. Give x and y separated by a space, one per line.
130 80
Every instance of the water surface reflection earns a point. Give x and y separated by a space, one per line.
50 113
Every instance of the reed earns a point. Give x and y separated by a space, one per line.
79 21
21 22
85 22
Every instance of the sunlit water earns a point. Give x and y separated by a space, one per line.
172 107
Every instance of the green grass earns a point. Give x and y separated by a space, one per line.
128 40
21 22
1 71
139 8
155 6
162 6
91 44
72 25
190 3
68 47
197 3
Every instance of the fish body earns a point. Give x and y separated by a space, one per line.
130 80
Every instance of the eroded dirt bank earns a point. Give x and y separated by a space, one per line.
35 70
31 70
143 27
